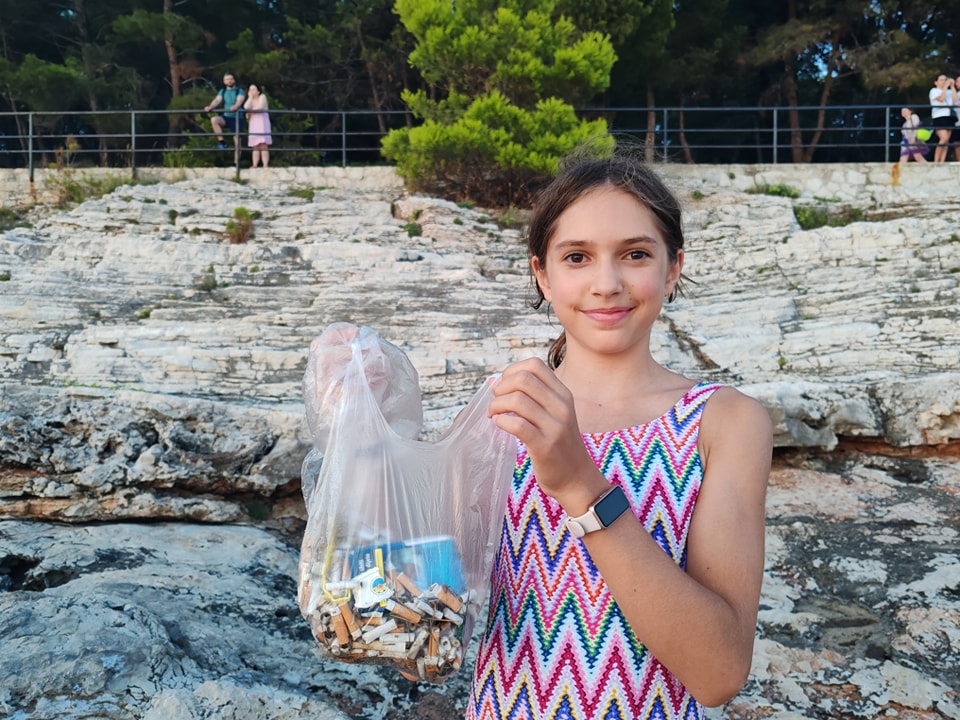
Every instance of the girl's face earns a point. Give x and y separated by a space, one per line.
607 271
253 90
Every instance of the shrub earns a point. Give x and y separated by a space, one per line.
72 188
240 228
9 218
499 115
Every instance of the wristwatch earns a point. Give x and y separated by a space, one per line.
608 507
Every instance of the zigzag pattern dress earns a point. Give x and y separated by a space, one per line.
556 645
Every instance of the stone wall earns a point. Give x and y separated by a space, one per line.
840 181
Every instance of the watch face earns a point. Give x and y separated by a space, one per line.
612 506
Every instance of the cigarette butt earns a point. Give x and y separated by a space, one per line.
370 635
351 620
394 653
409 585
402 611
339 586
447 597
417 645
452 616
426 609
397 638
340 628
445 646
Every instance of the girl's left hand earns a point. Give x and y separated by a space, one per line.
532 404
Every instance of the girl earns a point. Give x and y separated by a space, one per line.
628 578
259 121
942 100
910 146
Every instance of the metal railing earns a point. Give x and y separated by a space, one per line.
184 138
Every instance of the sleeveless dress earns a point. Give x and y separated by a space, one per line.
259 128
556 645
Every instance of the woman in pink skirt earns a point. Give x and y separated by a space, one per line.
258 120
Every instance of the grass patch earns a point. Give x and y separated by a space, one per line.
304 193
207 282
414 229
778 190
71 188
811 217
10 218
511 218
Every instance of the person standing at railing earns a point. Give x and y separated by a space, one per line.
911 147
258 120
955 133
232 97
943 97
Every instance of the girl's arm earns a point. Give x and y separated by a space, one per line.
700 623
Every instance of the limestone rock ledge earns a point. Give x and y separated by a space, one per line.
150 371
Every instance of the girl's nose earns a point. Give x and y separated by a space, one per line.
606 278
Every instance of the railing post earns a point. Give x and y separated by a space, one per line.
30 145
343 138
236 145
776 132
665 135
133 145
886 133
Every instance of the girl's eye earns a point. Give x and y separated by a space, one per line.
575 258
639 254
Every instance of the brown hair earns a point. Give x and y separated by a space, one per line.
578 176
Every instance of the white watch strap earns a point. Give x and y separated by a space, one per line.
588 522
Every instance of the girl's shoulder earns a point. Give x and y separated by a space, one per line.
731 413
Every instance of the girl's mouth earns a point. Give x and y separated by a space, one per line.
608 315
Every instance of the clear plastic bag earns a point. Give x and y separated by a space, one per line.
400 538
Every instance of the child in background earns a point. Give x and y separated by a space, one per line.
911 147
628 578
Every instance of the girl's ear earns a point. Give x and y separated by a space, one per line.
673 274
540 273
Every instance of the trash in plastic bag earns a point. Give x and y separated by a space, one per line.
401 534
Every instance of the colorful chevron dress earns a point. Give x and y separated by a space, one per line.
556 646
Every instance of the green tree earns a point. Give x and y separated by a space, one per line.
178 37
499 110
818 47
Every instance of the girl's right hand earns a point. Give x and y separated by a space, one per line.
532 404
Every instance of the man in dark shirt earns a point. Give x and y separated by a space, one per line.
232 97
